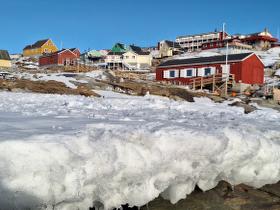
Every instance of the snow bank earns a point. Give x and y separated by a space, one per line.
269 57
130 150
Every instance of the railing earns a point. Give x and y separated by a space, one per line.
213 79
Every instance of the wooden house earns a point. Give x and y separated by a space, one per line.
247 68
135 58
169 48
39 48
65 57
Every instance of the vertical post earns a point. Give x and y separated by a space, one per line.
193 84
201 83
227 72
213 85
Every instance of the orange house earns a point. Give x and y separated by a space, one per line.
39 48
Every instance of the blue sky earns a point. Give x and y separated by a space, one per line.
98 24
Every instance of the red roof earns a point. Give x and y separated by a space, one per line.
256 38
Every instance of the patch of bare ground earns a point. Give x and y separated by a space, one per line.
48 87
142 88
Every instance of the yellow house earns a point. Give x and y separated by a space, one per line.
137 59
5 60
40 47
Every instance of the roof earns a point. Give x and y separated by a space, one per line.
58 52
36 45
4 55
143 53
138 50
172 44
206 60
135 48
115 53
73 49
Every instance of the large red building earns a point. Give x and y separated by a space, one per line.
65 57
246 67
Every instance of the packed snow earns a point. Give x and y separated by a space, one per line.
269 57
277 73
67 152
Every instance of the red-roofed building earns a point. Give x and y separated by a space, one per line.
260 41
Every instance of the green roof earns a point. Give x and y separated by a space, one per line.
94 53
119 47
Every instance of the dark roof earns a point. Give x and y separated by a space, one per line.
36 45
205 60
115 53
4 55
172 44
73 49
135 48
143 53
138 50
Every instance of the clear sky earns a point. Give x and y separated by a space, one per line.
98 24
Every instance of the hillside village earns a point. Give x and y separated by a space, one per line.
216 63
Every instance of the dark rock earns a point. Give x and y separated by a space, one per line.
224 197
247 108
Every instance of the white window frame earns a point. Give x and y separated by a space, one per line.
166 73
183 73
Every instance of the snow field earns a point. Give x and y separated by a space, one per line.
129 149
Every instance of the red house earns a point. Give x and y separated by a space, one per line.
76 51
246 67
65 57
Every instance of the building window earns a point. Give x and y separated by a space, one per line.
171 74
127 57
133 57
207 71
189 72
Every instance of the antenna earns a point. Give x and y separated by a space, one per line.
61 45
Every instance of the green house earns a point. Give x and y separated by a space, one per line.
118 47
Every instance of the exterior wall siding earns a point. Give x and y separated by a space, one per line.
252 71
5 63
159 72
